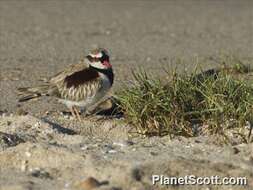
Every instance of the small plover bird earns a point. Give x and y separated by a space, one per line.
80 85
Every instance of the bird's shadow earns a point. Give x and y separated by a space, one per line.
59 128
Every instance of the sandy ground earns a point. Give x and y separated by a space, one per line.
52 151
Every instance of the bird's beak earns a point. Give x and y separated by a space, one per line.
107 64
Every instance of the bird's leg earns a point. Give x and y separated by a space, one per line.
72 112
77 113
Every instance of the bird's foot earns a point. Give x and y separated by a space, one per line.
75 113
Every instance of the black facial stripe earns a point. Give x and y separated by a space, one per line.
105 57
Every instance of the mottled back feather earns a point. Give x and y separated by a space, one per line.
80 77
60 77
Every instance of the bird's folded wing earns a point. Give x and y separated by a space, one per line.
75 75
70 70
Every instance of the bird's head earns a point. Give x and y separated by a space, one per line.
99 58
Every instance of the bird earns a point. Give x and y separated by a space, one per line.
81 85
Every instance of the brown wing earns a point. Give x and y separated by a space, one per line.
77 76
81 77
60 77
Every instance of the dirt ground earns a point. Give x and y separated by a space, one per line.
48 150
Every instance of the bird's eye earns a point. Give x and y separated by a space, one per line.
95 59
92 59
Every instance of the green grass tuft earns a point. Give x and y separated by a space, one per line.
208 103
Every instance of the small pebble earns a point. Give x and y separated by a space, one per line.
40 173
112 151
24 165
153 153
108 146
123 143
37 124
85 147
236 150
88 184
148 59
67 185
197 141
67 117
4 114
107 32
28 154
137 174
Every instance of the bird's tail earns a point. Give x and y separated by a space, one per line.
29 93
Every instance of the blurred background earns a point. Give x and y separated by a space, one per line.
40 38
